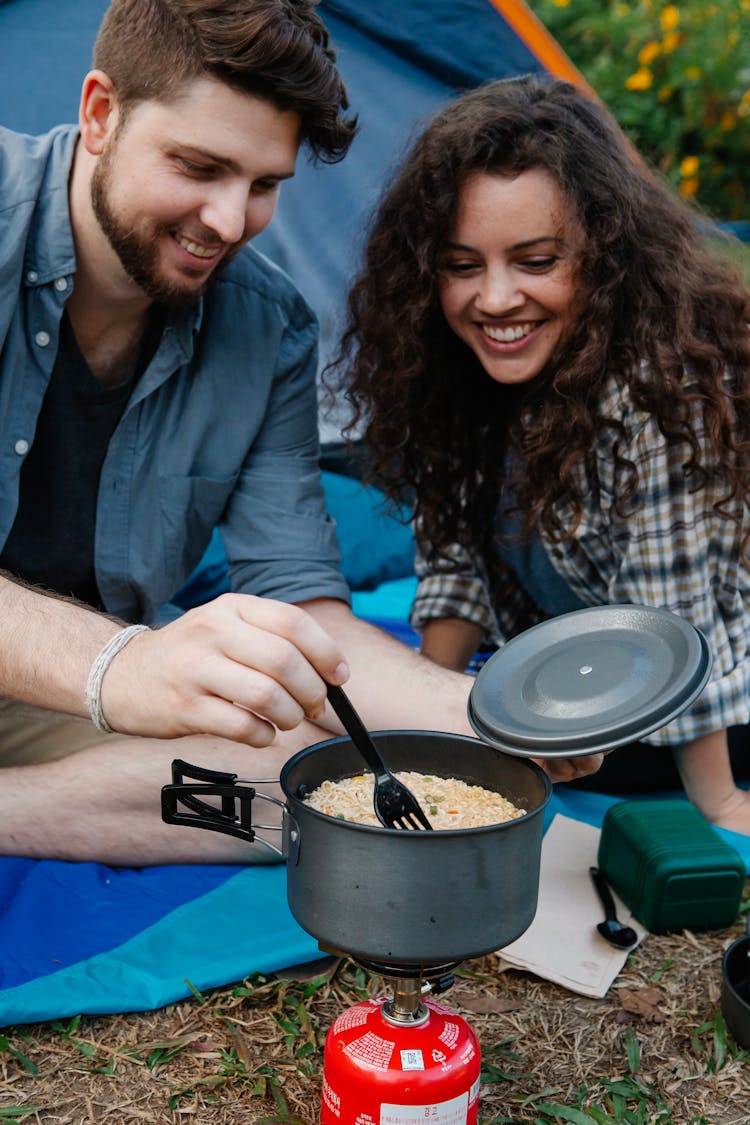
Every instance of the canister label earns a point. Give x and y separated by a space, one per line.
453 1112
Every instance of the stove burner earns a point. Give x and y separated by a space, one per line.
415 972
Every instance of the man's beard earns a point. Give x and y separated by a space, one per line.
139 256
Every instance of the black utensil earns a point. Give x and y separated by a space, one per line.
395 805
611 929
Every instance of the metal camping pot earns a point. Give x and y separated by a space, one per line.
735 988
584 682
388 895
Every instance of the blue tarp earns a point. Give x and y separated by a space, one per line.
88 938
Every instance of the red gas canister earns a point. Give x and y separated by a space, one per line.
377 1072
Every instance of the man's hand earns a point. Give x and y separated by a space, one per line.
237 668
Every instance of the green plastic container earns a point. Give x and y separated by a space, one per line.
670 867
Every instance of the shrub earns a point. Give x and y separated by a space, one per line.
677 78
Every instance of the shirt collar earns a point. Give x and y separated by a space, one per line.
50 252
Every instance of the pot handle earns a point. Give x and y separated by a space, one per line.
234 818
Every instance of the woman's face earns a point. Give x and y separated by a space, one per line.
507 273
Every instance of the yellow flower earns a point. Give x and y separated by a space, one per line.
727 120
689 187
561 3
641 80
649 52
670 17
693 72
665 93
671 41
689 166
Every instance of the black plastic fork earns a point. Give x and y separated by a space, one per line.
395 805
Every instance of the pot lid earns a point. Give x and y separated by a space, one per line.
589 681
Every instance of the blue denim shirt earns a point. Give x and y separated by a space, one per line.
221 429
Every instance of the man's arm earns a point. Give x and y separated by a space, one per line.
48 645
236 668
393 686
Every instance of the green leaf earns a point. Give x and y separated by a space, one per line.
720 1041
196 993
632 1052
280 1119
88 1050
566 1113
25 1062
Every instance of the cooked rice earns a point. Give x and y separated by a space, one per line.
446 801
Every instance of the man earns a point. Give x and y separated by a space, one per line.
157 379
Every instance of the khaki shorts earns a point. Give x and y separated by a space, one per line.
32 734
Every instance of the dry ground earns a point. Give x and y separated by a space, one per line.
655 1050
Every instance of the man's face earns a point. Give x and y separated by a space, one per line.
181 186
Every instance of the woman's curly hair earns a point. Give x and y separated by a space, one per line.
654 303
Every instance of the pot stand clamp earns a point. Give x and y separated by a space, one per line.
234 817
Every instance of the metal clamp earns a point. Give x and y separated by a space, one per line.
185 804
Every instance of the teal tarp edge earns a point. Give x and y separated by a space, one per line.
242 927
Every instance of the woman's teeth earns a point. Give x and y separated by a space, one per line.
507 335
194 248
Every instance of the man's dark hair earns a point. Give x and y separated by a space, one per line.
273 49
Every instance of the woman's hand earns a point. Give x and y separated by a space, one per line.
706 773
568 769
734 813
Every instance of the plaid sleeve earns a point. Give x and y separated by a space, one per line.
453 589
671 549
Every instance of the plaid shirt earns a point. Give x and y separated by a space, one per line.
671 550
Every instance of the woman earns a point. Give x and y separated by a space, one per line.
554 369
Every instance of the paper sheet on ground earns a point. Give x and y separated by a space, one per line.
562 944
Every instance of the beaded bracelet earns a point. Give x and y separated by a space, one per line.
98 671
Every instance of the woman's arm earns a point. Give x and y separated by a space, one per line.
451 641
706 773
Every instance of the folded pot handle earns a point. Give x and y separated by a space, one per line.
185 804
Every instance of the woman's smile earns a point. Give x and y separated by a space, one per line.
507 274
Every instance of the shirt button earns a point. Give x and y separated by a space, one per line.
61 284
42 339
32 276
21 447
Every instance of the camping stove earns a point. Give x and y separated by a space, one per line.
402 1059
